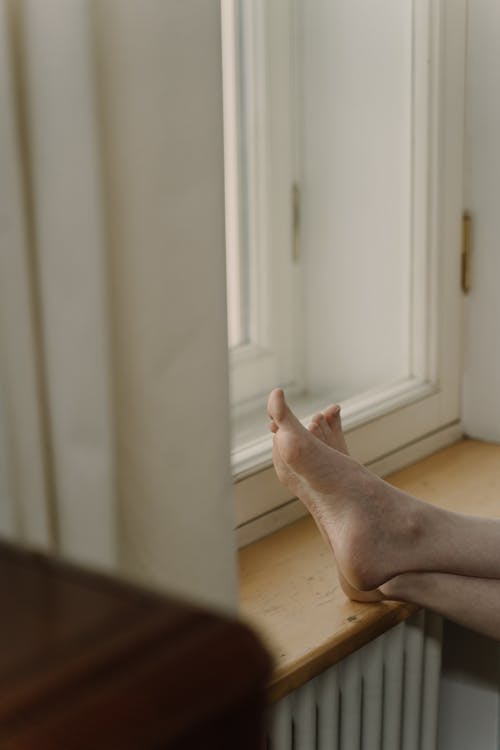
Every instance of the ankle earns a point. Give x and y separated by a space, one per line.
415 521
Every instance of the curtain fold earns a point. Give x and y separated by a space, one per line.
25 511
121 166
62 132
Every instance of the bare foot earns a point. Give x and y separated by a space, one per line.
370 525
327 426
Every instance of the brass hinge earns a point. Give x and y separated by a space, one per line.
295 222
466 251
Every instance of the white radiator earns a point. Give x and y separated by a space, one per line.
383 697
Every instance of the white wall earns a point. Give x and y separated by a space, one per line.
481 395
470 710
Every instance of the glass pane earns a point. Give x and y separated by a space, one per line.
357 192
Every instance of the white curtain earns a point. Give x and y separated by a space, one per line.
24 501
113 335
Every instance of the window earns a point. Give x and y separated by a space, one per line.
357 109
262 269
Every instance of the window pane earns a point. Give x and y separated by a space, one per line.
357 192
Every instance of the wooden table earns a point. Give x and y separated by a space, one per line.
91 663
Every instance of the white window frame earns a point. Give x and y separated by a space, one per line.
403 421
259 194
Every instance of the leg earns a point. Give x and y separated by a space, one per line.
378 531
472 602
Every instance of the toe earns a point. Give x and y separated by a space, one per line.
315 429
332 414
281 414
320 428
276 405
323 424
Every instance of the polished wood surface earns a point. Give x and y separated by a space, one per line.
87 662
288 582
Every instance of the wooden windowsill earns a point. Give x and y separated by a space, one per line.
288 584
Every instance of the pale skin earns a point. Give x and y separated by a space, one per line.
387 544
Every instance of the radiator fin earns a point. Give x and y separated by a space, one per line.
372 657
328 702
382 697
393 643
